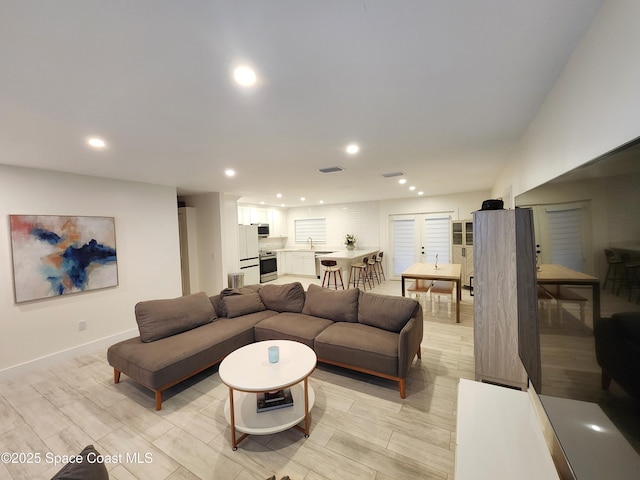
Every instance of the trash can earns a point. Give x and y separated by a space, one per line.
235 280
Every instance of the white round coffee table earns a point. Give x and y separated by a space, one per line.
247 372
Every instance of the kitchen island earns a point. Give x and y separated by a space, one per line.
344 259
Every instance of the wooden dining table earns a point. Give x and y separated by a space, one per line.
430 271
552 274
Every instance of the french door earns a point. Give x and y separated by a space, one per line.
419 238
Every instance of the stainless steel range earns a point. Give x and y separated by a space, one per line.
268 266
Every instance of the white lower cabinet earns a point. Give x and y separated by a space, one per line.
297 263
302 263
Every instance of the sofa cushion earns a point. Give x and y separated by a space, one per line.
87 468
628 325
336 305
216 300
291 326
384 311
162 318
359 345
161 363
237 305
283 298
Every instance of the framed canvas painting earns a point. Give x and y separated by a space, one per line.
59 255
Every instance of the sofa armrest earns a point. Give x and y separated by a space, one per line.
409 341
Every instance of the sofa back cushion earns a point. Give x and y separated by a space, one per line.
384 311
162 318
236 305
283 298
336 305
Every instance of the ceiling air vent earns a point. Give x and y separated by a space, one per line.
331 169
393 174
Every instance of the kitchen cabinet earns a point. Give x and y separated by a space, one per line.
283 267
462 248
505 292
275 217
297 263
277 223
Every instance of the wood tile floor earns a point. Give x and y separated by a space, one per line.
361 428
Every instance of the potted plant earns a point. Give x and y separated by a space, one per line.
350 241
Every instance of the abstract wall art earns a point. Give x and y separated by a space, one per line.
59 255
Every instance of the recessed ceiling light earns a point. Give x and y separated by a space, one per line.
244 76
282 205
402 181
420 192
279 195
261 203
302 199
352 148
96 142
412 188
229 172
321 201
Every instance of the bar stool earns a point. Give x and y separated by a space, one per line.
439 288
420 288
358 272
379 265
630 274
372 272
331 268
614 261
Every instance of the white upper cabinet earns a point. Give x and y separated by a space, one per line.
275 217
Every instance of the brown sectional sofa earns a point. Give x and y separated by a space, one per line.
375 334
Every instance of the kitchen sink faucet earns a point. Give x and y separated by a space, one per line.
310 241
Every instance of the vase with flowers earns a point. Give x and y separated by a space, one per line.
350 241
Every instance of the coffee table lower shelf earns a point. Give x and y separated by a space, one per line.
250 422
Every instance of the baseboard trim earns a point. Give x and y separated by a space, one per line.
51 360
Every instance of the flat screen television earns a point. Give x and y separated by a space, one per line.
562 342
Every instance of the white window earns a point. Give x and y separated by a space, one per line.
314 228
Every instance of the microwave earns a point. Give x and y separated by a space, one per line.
263 230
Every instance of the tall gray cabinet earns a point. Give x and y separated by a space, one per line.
505 292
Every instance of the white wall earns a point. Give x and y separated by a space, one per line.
148 263
217 231
360 219
593 107
369 221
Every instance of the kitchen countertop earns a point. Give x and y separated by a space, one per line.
348 254
333 254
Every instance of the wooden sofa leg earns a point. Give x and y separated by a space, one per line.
158 400
606 380
116 376
403 388
419 351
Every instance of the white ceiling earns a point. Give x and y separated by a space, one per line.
438 89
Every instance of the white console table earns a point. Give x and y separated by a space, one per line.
498 435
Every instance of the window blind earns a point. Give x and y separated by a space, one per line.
404 250
565 238
437 239
316 228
